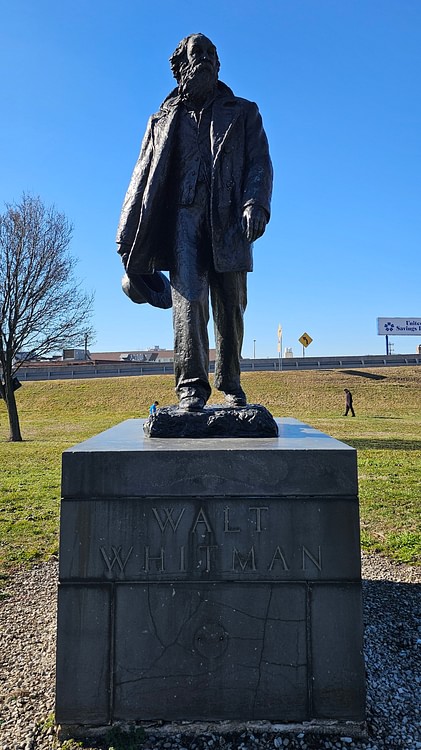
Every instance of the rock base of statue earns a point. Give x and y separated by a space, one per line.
250 421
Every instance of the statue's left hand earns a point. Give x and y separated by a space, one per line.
254 222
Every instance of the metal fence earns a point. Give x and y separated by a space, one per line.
124 369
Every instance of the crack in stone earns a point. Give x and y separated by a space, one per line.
245 638
165 676
212 666
165 647
289 666
262 649
223 605
191 615
152 619
241 611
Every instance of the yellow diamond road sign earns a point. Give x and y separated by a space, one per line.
305 339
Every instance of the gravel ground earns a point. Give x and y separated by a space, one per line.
392 598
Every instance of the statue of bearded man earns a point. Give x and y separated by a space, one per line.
198 199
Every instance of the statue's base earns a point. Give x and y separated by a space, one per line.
251 421
210 580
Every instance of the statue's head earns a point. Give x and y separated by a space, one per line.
195 59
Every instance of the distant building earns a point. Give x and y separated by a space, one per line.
75 354
143 355
25 356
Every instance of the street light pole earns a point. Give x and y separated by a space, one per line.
254 348
280 346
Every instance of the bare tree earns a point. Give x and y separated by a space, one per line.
42 307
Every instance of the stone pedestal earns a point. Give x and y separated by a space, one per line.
209 579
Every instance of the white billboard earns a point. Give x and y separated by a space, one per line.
399 326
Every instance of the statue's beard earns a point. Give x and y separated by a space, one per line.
197 82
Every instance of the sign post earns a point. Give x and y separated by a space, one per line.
305 340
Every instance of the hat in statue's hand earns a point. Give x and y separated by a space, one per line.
153 288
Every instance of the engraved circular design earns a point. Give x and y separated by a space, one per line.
211 640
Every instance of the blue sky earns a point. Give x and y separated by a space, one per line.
338 86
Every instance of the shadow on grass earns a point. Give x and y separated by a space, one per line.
385 417
384 444
371 375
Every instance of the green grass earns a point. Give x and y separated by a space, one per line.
56 415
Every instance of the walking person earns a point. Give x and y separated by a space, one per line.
348 403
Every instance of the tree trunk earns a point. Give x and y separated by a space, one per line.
12 410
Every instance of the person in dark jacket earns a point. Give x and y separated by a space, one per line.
198 198
348 403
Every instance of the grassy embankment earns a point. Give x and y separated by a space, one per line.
386 433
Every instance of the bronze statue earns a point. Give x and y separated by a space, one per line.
198 198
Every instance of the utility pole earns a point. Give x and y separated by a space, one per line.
280 346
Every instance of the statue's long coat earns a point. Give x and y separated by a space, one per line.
241 176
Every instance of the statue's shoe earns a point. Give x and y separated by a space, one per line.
191 403
238 398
